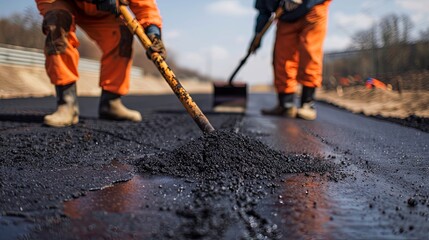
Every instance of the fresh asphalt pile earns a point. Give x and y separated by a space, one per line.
224 154
232 173
226 175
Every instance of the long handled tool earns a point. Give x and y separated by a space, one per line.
229 97
184 97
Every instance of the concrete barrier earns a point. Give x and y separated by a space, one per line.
22 74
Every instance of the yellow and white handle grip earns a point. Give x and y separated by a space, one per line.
184 97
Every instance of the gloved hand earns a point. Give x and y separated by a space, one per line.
154 34
290 5
157 46
111 5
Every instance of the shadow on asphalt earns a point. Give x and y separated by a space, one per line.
22 118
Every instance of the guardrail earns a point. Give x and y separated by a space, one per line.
21 56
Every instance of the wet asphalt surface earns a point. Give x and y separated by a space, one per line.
343 176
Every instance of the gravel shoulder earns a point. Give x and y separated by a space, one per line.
409 108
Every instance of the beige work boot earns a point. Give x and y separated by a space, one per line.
111 107
307 112
67 112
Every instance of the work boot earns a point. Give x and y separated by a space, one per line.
284 108
67 112
307 111
111 107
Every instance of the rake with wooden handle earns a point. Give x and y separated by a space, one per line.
184 97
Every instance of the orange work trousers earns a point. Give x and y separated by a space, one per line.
108 31
298 50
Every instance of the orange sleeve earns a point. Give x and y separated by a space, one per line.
147 12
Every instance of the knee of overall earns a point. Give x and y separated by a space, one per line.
56 25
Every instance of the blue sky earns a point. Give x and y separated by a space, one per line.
213 35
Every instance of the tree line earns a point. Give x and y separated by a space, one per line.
386 51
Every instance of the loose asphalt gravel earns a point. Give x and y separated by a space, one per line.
343 176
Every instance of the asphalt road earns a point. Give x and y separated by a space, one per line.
87 181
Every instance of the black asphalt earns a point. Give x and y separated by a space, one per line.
353 177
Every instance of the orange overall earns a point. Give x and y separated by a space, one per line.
107 30
298 50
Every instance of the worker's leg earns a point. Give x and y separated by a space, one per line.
285 64
286 57
61 42
61 59
312 38
311 58
115 42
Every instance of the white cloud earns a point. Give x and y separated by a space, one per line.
414 6
230 8
350 23
419 10
336 42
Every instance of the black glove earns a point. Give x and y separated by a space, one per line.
110 5
154 34
157 46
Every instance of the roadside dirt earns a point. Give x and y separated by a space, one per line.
22 81
410 108
384 103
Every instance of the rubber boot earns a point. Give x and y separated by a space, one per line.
67 112
307 110
111 108
285 107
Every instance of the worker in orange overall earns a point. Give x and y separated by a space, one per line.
298 52
372 83
100 20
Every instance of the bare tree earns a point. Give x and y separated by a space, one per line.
424 35
364 39
22 29
395 29
407 28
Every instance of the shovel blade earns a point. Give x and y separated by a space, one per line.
229 98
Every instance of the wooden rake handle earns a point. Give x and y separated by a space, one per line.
184 97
